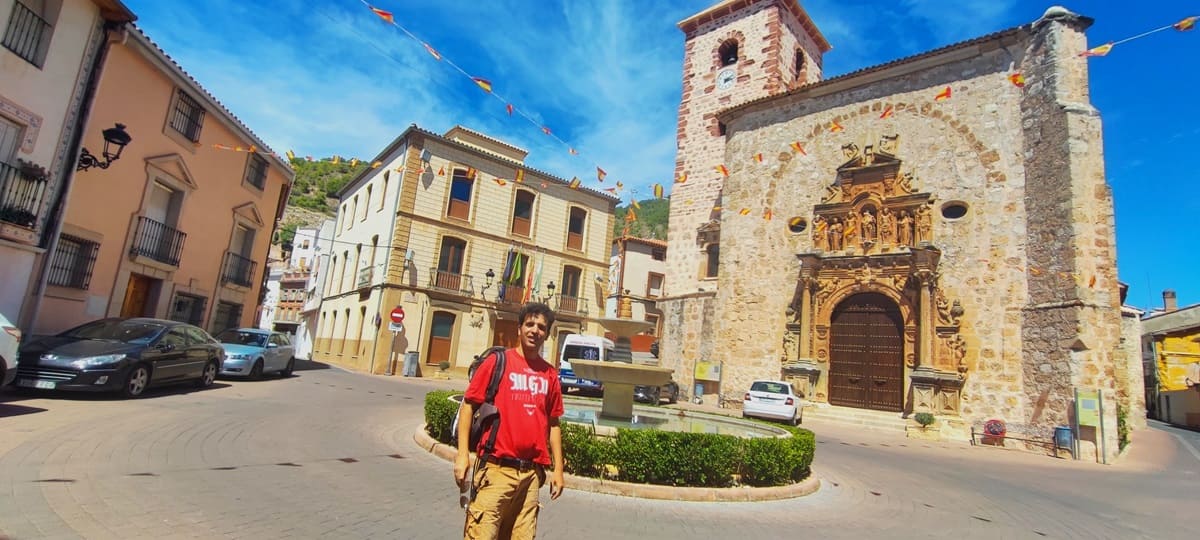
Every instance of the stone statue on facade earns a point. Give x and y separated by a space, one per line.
835 235
868 226
905 183
904 228
818 232
943 308
887 226
924 224
851 231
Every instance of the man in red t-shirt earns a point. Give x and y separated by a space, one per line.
529 398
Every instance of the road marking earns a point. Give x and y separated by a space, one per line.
1186 444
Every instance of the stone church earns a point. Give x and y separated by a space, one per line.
933 234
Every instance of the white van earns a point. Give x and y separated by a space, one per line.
581 347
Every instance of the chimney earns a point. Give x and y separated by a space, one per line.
1169 301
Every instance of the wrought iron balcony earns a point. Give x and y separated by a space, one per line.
511 294
238 270
21 195
451 281
25 33
157 241
570 304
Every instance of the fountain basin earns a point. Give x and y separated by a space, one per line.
619 379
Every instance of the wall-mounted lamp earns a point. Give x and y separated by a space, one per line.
550 290
114 138
491 276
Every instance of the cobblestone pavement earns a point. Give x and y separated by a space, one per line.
330 454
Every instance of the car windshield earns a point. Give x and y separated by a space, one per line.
581 352
238 337
125 331
767 386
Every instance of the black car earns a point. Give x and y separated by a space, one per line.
120 355
654 394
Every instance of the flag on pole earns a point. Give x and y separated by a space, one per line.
1101 50
483 83
385 15
797 148
658 191
943 95
630 216
537 276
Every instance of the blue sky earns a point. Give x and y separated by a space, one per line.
328 77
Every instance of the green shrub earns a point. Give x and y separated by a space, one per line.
673 458
1122 427
584 453
439 415
923 418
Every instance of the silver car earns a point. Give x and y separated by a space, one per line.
251 352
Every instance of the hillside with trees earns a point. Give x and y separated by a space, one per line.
651 219
312 199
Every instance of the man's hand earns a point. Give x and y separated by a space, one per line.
556 484
462 463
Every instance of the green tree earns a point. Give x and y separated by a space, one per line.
652 219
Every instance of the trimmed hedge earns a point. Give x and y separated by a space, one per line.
664 457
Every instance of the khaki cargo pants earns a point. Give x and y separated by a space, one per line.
506 503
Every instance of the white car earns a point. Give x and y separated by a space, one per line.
775 400
10 339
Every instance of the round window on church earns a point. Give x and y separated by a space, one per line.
797 224
954 210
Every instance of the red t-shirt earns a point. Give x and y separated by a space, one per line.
529 395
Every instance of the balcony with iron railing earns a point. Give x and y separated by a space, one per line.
25 33
451 281
238 270
157 241
563 303
21 191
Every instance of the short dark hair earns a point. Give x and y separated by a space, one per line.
536 308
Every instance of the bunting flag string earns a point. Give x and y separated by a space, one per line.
1183 25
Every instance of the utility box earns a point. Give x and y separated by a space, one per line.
411 358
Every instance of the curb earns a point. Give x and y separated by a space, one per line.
808 486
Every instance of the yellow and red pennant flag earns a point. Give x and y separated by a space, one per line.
385 15
471 172
545 130
509 108
835 127
600 174
611 190
633 202
887 112
943 95
1186 24
310 158
658 191
483 83
432 51
767 215
574 183
354 162
337 159
501 182
758 157
722 169
442 171
572 151
630 216
715 208
520 179
291 155
376 164
1092 282
545 185
744 211
1035 271
1017 79
681 179
1101 50
797 148
620 185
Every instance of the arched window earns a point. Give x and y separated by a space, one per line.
799 64
450 263
576 225
461 186
345 332
728 52
332 329
713 251
523 213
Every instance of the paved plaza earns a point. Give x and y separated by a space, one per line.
330 454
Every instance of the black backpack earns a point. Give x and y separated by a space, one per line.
487 417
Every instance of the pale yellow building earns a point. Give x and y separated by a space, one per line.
1171 349
179 227
637 275
51 56
454 229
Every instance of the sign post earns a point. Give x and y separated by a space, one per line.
1089 411
396 319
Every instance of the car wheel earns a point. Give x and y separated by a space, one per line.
209 375
674 396
656 397
796 420
136 381
287 371
256 371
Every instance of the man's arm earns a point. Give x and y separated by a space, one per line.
462 461
556 456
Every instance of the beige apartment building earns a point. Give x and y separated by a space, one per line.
457 232
637 274
178 227
51 55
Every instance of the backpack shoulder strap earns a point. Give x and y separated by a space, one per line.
497 374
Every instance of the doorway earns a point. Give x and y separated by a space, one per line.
137 296
866 368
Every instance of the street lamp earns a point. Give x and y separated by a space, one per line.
490 275
113 137
550 287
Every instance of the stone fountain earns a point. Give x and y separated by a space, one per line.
619 375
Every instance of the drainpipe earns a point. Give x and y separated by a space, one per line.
58 210
387 263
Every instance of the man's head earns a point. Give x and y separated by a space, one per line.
536 319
